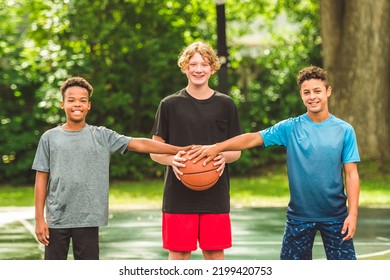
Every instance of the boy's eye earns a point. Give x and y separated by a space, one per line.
202 65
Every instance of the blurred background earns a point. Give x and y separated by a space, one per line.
128 51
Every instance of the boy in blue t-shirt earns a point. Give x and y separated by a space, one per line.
320 147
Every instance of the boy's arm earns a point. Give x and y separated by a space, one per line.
145 145
352 186
164 159
231 156
41 227
176 161
237 143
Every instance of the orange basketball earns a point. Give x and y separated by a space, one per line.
198 177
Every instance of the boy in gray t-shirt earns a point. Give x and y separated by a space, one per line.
72 178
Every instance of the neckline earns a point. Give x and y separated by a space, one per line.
207 100
72 131
319 123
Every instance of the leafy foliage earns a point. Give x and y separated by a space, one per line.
128 51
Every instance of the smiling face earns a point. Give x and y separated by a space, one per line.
199 70
315 94
76 106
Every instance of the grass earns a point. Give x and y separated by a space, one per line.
267 189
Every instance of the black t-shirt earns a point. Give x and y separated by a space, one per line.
183 120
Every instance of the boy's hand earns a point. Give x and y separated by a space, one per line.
221 161
187 148
210 152
177 162
349 227
42 232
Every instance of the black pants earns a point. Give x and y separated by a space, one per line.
85 242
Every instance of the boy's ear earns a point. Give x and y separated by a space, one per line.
62 105
329 91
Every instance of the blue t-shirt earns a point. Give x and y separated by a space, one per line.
316 153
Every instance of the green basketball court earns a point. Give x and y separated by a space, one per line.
136 235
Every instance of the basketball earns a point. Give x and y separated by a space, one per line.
198 177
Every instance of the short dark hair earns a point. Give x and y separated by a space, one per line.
76 82
312 72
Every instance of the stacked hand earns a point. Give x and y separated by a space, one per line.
197 153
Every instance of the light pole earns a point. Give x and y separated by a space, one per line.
222 50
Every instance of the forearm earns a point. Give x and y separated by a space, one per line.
145 145
241 142
163 159
231 156
352 185
40 194
353 191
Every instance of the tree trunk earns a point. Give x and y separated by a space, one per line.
356 50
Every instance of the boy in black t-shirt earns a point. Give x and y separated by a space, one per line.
196 115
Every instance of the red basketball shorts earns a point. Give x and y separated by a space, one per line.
182 232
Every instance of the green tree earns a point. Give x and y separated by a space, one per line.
264 67
128 51
19 80
356 45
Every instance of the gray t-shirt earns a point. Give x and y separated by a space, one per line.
78 166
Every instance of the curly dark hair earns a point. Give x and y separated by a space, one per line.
312 72
76 82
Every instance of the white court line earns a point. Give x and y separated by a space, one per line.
12 214
20 214
29 227
376 254
382 238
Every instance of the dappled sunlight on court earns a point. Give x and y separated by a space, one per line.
136 235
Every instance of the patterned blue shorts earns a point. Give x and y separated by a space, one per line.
299 237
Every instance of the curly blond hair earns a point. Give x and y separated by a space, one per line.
204 50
